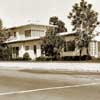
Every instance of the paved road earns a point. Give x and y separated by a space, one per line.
16 85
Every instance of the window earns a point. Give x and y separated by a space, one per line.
38 33
69 46
26 48
65 47
14 34
15 51
28 33
99 46
35 49
9 34
95 45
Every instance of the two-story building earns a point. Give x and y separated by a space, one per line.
28 38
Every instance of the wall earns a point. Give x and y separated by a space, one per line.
22 50
36 31
99 49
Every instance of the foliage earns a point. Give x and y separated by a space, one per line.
17 59
26 56
44 58
52 44
1 30
94 58
76 58
60 24
84 20
5 52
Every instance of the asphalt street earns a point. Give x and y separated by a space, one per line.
25 85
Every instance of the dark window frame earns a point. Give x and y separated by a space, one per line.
35 49
15 34
27 48
27 33
69 46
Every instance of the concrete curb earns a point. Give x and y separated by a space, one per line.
58 67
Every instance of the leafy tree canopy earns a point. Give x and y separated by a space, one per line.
5 51
52 44
83 17
84 21
1 28
59 23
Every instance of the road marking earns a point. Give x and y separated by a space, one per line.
44 89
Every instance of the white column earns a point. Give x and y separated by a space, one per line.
38 50
17 35
21 50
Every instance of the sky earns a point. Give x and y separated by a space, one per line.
19 12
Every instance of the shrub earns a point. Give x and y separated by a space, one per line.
40 58
19 59
67 58
26 57
95 59
76 58
44 58
5 53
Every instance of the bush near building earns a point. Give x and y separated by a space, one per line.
26 57
46 58
5 52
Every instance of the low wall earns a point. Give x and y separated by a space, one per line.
60 66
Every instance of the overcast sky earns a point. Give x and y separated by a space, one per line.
18 12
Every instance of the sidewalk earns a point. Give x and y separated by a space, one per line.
49 66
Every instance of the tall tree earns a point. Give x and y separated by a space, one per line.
52 44
53 20
60 24
1 29
84 20
5 51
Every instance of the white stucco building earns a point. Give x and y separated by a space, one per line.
27 38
